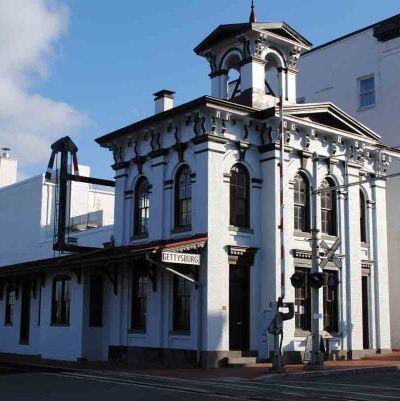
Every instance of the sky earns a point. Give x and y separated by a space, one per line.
85 68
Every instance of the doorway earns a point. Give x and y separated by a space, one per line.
239 308
365 311
25 313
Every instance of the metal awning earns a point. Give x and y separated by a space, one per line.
106 256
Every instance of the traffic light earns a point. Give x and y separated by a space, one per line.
333 281
316 280
298 279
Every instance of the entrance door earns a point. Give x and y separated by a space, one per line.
365 311
239 308
25 313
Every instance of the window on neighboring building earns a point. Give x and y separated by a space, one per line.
142 206
363 217
61 301
301 203
139 301
367 91
10 302
181 295
328 208
183 197
239 197
303 303
96 301
331 305
303 313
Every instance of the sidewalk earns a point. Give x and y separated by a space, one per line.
382 362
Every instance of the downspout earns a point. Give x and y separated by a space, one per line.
200 320
282 205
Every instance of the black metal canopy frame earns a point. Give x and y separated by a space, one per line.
146 258
65 146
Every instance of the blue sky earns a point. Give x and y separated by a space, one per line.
108 57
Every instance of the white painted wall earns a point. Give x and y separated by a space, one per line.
331 74
8 171
27 218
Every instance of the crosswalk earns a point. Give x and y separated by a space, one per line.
297 388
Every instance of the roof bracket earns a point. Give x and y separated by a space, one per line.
151 271
43 279
78 274
112 274
33 286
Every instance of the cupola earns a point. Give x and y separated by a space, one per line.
253 63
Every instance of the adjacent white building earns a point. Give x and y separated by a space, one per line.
360 73
200 182
26 232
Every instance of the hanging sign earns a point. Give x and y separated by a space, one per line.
180 258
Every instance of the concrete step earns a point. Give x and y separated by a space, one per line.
245 360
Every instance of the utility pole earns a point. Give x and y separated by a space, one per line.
316 359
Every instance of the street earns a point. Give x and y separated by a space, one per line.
24 383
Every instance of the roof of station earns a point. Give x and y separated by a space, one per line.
224 32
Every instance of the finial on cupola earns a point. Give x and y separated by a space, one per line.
252 19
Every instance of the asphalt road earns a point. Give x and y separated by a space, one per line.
17 383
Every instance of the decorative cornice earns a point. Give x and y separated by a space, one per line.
209 138
157 153
242 147
119 166
180 149
218 73
240 255
252 59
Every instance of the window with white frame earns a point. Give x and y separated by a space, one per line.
366 87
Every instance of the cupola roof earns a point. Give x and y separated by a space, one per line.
224 32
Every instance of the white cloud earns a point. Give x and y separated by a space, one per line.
29 122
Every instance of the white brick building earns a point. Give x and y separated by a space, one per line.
204 178
26 232
360 73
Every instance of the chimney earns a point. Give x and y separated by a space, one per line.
6 153
8 168
164 100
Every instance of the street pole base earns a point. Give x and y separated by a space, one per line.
278 364
317 359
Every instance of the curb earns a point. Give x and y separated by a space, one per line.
324 372
334 372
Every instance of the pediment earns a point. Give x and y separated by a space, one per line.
329 115
224 32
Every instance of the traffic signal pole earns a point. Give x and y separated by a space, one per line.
316 355
316 359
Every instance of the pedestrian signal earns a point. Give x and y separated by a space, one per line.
298 279
316 280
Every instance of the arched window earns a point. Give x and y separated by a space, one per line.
328 208
239 197
142 206
301 203
363 217
183 197
232 64
234 89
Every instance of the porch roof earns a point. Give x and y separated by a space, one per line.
105 256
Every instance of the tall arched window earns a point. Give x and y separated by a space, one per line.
301 203
142 206
183 197
363 217
328 208
239 197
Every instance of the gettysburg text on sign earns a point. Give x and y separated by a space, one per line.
181 258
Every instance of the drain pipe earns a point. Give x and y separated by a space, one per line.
200 321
